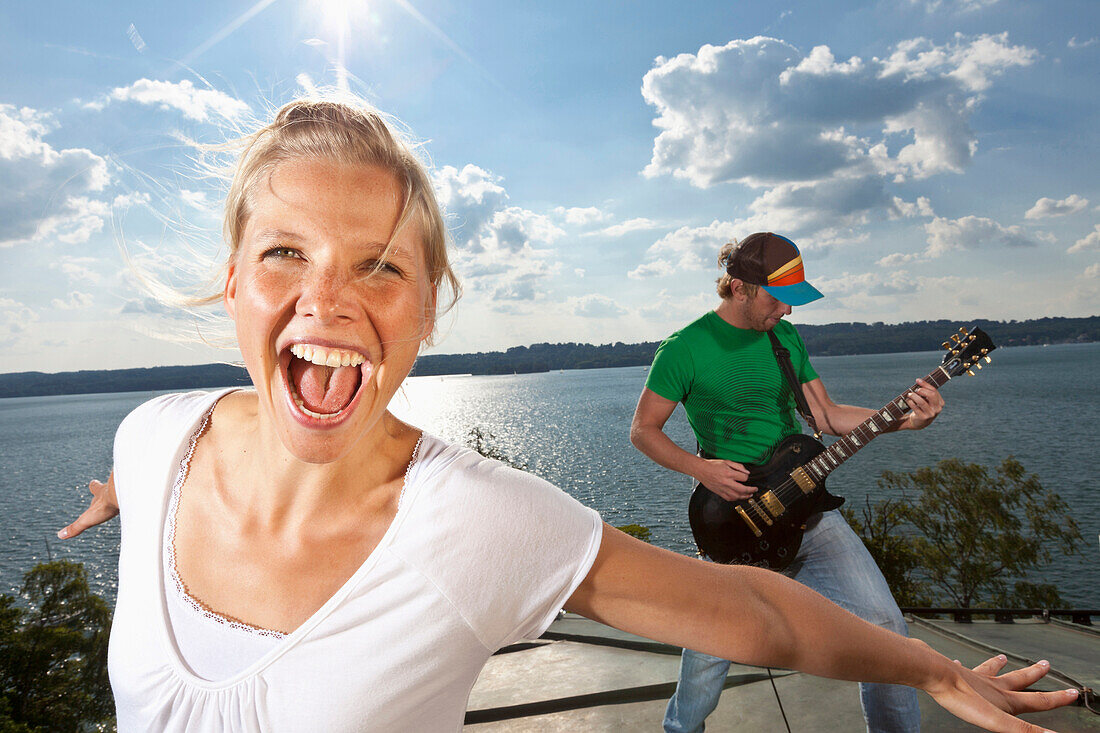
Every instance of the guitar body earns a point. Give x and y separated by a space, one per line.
720 527
766 529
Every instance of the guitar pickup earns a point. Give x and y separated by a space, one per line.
772 503
760 512
803 480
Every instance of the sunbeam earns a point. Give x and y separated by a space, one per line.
225 32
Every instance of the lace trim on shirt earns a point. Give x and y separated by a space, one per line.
170 538
409 468
170 547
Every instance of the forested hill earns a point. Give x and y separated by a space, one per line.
829 340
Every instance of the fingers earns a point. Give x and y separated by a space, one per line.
1025 677
75 528
734 491
993 665
99 511
1030 702
737 470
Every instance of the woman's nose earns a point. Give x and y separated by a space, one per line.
327 296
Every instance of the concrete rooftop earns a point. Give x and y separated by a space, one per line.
584 676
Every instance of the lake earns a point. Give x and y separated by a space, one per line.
572 428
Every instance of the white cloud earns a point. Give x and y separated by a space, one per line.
1089 242
760 113
656 268
962 6
195 199
1074 43
897 282
43 191
76 301
1046 207
78 220
504 251
923 207
195 104
898 258
596 306
630 225
470 197
971 232
690 248
15 318
581 216
78 269
1092 271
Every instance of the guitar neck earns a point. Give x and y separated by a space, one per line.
884 420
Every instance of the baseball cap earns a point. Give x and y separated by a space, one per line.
775 264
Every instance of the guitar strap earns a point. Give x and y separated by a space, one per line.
783 356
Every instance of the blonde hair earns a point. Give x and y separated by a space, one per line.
724 282
348 134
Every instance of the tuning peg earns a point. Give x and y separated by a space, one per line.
985 351
963 330
979 366
945 345
955 337
972 337
970 372
954 352
988 360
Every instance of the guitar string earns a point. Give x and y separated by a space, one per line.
788 491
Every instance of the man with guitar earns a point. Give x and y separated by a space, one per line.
724 369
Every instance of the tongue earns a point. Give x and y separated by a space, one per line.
324 389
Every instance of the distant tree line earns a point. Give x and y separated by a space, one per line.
833 339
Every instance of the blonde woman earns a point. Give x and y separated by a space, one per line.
296 558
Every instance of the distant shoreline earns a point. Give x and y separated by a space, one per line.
835 339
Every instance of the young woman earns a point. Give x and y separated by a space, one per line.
295 558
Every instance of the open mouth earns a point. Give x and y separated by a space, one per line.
324 381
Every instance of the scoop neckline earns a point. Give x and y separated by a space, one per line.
288 641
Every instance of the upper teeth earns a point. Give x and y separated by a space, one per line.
327 357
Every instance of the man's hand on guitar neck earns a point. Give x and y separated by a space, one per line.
925 402
725 478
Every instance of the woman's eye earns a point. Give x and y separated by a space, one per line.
282 253
372 266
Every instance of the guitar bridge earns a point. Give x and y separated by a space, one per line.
744 515
803 480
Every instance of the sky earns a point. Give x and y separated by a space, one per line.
931 158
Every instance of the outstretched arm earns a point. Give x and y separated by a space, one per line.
104 506
762 618
925 401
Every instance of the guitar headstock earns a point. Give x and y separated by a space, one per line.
966 350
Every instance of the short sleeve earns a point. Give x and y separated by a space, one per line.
673 370
506 547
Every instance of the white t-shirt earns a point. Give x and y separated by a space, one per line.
478 556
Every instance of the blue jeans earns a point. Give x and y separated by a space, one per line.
834 562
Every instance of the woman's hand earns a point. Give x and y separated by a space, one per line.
104 506
981 697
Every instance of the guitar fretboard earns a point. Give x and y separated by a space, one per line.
884 420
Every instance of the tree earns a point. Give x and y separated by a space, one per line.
972 533
53 653
481 441
882 529
636 531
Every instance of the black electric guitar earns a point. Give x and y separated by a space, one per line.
766 529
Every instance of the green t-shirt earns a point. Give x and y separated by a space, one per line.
736 398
